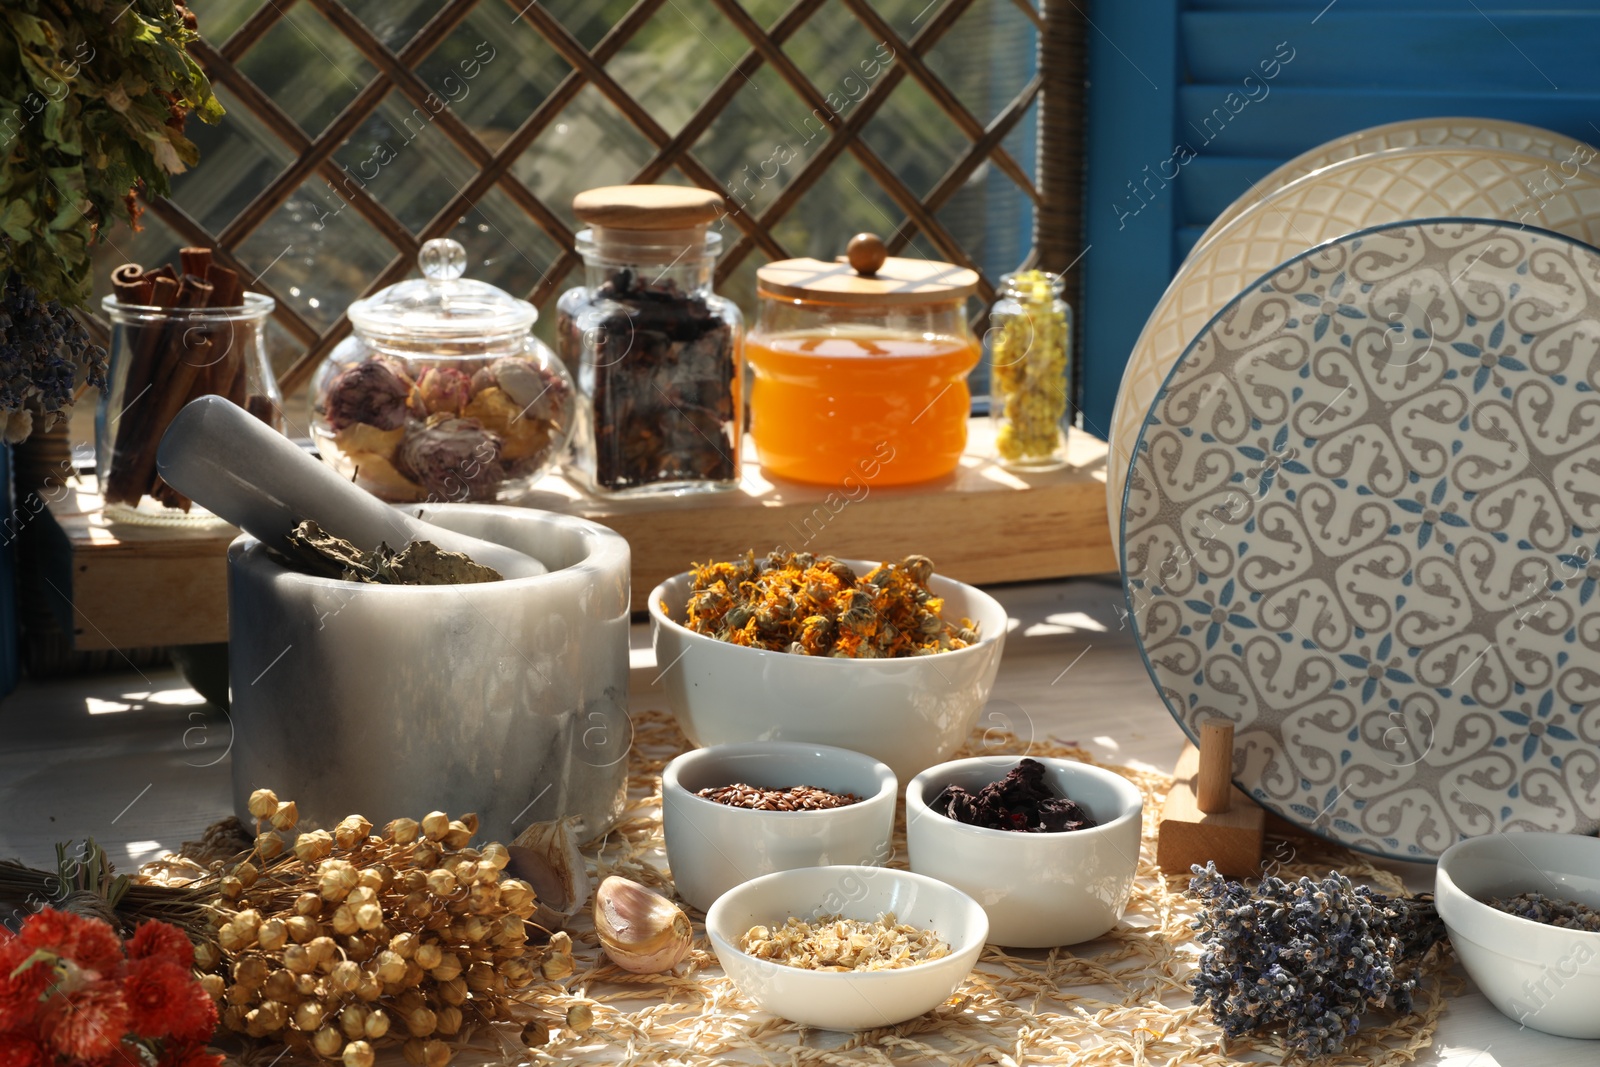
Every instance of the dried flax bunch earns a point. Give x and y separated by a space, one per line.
343 941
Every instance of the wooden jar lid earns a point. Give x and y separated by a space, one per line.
866 276
647 207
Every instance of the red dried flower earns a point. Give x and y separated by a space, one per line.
157 993
86 1024
159 940
195 1017
89 943
192 1054
19 993
20 1049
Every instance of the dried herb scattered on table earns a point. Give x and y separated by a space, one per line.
666 385
817 606
1021 801
1552 911
1309 957
319 553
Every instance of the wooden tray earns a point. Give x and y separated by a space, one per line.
126 586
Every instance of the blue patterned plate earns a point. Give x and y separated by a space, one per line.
1363 523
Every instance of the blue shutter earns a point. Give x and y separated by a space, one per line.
1160 75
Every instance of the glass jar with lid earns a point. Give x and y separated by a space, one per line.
442 393
654 350
1030 375
860 368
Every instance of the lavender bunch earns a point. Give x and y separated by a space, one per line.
1311 957
45 353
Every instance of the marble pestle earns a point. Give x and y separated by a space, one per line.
240 469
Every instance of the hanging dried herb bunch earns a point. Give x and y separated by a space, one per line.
1309 957
817 606
335 943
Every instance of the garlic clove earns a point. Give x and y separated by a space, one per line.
546 858
641 930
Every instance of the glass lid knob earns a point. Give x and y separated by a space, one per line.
442 259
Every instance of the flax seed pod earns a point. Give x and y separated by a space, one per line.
323 951
556 968
262 803
326 1042
214 985
285 817
417 905
497 854
298 958
449 967
207 956
561 943
454 992
313 846
230 888
449 1021
377 1024
420 1021
343 920
435 825
458 835
426 856
369 989
233 1017
308 1016
353 1020
345 976
251 973
402 831
369 916
429 955
247 873
305 985
404 944
389 967
484 897
357 1054
580 1017
280 985
241 996
302 928
482 978
536 1033
270 845
273 935
442 883
351 832
308 904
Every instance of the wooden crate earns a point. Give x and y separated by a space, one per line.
135 586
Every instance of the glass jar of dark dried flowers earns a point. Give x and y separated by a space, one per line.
655 351
443 393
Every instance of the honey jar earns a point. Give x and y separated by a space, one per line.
860 367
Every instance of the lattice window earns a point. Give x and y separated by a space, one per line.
357 130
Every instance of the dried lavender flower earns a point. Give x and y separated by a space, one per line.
1310 957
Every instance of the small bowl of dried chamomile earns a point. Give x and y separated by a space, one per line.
846 948
885 658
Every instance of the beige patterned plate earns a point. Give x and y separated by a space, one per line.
1392 186
1414 133
1362 526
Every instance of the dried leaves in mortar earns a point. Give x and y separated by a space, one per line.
1308 957
334 943
320 553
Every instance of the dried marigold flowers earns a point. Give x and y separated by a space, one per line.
834 943
356 939
818 606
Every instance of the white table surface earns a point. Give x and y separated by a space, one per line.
137 762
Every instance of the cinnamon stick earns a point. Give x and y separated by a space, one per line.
130 284
145 341
195 260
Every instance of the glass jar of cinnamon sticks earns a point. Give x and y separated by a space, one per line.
175 335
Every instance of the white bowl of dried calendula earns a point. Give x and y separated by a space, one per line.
906 694
846 948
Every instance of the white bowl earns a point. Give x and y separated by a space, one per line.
1544 977
712 847
847 1000
910 712
1039 890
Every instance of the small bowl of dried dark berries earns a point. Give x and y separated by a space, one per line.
1048 847
735 812
1523 912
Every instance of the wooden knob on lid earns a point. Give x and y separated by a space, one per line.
866 253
